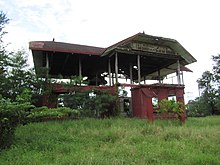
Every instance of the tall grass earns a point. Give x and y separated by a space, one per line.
117 141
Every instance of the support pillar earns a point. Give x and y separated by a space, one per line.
131 74
139 69
116 68
47 65
159 76
182 77
178 73
109 71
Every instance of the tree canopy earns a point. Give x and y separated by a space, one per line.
15 76
209 102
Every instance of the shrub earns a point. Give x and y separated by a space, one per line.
171 106
11 115
93 103
199 107
41 113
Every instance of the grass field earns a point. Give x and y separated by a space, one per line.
116 141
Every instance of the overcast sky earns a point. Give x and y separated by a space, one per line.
193 23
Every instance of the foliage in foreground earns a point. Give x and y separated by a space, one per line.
13 114
171 106
117 141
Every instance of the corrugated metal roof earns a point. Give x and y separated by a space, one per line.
157 53
176 47
65 47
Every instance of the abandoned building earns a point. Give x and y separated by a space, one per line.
128 63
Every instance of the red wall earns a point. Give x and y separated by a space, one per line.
142 98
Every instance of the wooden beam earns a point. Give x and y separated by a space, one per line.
113 83
148 54
47 64
131 74
178 72
116 67
139 68
159 76
182 77
109 71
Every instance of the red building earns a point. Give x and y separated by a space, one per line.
138 58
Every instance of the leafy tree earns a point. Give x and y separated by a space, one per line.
16 85
15 76
3 57
209 102
18 76
198 107
209 92
216 71
3 20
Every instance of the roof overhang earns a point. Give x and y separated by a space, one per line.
152 44
158 55
65 47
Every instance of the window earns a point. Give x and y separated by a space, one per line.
155 102
172 97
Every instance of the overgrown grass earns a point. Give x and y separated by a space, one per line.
116 141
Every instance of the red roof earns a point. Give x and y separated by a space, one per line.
65 47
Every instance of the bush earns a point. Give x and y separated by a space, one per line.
199 108
93 103
11 115
43 113
217 112
171 106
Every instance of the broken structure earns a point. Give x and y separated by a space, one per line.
137 59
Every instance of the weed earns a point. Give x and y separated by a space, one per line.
116 141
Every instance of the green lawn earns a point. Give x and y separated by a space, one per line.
116 141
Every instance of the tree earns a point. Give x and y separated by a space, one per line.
210 84
3 56
209 92
216 71
3 20
19 77
15 76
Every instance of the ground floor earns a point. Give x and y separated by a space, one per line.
143 103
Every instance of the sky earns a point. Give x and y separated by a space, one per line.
193 23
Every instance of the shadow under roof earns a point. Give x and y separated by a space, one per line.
157 54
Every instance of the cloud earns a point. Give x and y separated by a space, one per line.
102 23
